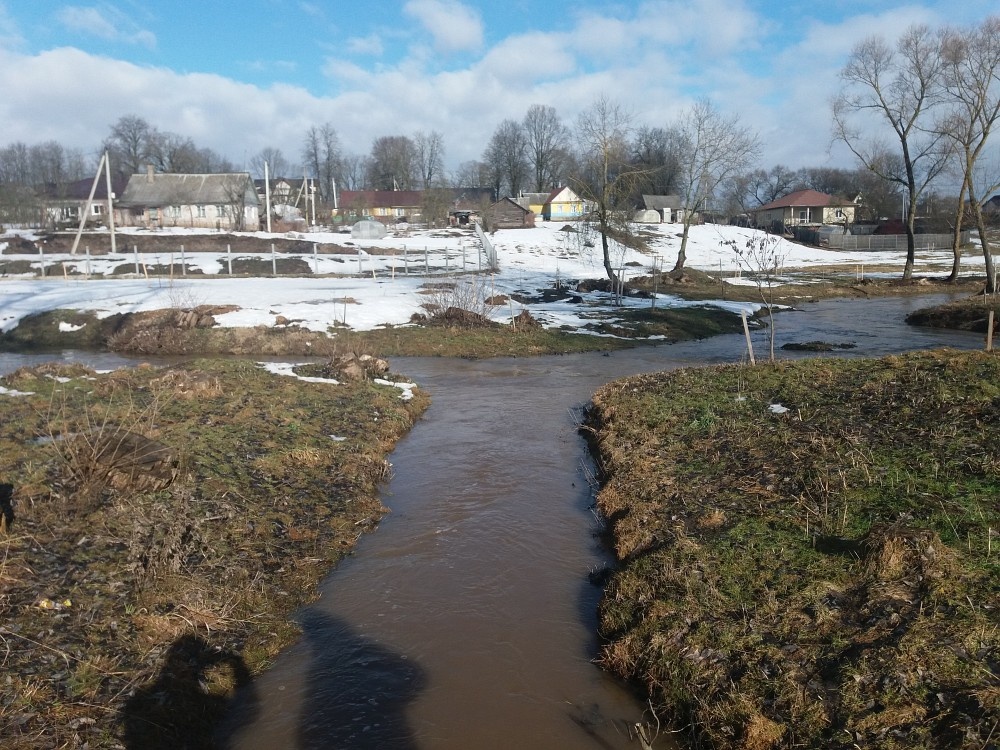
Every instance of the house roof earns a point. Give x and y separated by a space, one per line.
154 190
808 198
513 202
380 198
79 190
569 197
660 202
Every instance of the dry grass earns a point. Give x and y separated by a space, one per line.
113 589
823 577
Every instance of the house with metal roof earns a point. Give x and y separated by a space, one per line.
225 201
803 207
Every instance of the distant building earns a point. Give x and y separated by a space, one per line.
803 207
63 204
209 201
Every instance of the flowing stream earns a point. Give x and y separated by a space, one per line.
467 619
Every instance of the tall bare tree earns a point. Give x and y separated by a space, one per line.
657 151
277 164
129 144
972 83
430 158
393 163
714 147
321 158
608 178
507 158
545 137
899 86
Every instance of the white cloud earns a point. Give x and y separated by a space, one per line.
105 23
365 45
454 27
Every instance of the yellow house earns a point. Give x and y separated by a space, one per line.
561 204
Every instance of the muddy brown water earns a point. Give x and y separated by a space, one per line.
467 619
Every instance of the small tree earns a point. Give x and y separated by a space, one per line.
762 257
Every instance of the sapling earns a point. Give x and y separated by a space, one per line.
762 257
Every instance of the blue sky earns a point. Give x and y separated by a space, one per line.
238 79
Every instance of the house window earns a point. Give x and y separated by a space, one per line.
154 214
802 215
220 210
96 209
839 213
175 212
201 212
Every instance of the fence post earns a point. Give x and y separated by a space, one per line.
184 271
229 258
406 262
427 268
315 258
41 262
274 262
135 253
87 249
989 332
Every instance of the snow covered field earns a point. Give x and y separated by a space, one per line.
382 284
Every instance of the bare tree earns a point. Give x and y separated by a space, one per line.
277 164
608 178
321 159
544 136
507 158
471 174
430 158
393 163
972 82
129 144
900 87
239 196
353 171
714 148
657 152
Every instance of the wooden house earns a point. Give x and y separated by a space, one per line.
210 201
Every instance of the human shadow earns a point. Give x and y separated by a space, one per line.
358 691
177 710
6 506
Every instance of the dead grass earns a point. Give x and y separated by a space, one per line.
129 611
824 577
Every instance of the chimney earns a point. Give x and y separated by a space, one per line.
149 173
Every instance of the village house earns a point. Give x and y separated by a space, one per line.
507 213
64 204
207 201
386 206
560 204
803 207
660 209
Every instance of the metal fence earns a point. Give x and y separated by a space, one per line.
374 262
896 242
491 253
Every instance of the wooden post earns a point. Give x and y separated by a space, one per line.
989 332
274 262
87 275
41 262
135 254
746 332
184 271
427 268
315 258
229 258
